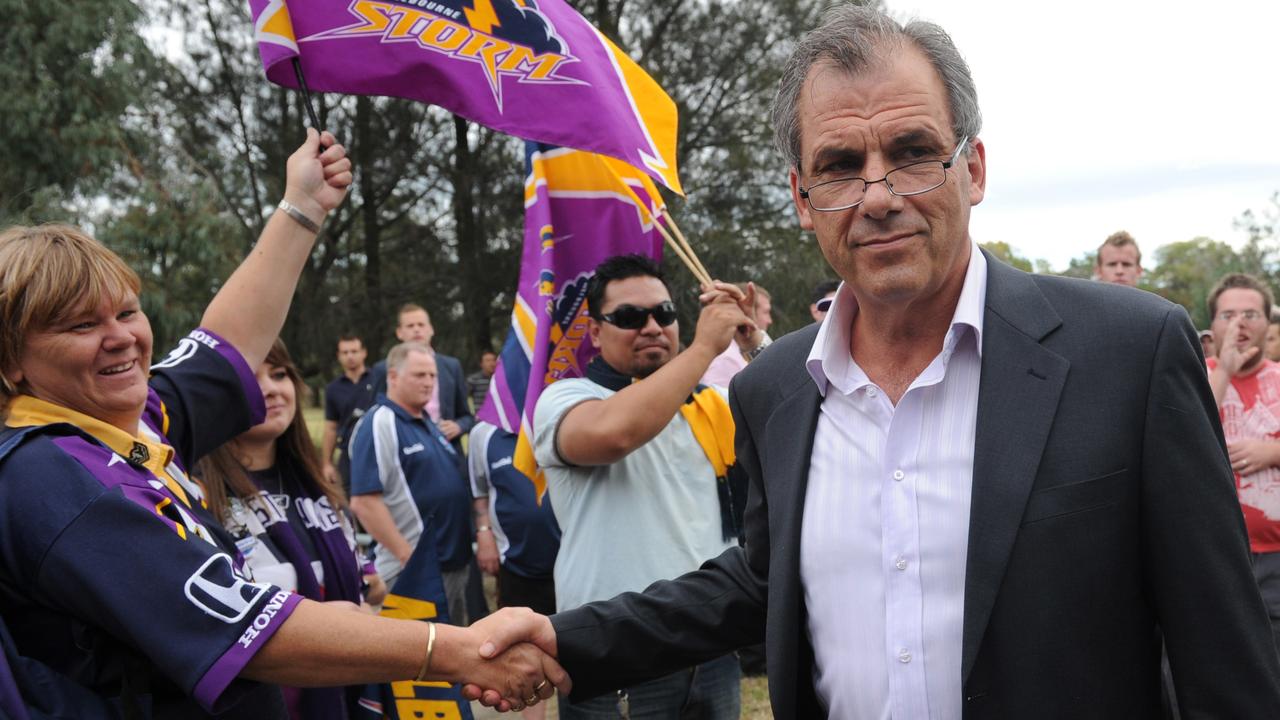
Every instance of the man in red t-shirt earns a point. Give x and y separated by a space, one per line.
1246 387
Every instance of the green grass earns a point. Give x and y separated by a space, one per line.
315 422
755 699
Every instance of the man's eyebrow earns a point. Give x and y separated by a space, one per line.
915 137
832 153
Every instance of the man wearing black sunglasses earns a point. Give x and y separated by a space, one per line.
635 460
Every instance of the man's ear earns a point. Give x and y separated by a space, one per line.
976 161
593 330
802 205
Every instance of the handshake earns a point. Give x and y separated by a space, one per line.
513 666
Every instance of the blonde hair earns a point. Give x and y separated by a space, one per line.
1119 239
49 274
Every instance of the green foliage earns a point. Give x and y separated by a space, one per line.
1186 271
1264 224
1001 251
1082 266
720 62
191 151
72 71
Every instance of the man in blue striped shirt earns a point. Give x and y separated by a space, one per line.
405 476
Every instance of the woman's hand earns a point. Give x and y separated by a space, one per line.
318 181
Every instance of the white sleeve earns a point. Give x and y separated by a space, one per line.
554 403
478 459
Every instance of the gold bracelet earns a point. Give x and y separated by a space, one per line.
298 216
431 648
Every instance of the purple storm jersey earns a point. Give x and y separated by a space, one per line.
112 571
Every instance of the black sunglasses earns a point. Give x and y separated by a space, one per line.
824 304
630 317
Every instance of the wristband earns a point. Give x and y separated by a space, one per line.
431 648
298 216
765 341
483 528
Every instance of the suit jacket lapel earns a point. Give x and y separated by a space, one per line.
444 383
789 435
1017 399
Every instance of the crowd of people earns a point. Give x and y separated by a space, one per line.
962 491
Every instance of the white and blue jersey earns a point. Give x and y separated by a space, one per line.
420 477
112 571
526 532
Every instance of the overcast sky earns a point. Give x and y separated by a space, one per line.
1100 116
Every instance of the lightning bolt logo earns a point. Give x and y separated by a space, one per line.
481 16
483 19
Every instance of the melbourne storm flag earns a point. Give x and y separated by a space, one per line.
531 68
580 208
417 595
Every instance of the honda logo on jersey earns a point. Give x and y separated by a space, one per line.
219 591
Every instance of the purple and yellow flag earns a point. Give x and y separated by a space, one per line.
580 208
531 68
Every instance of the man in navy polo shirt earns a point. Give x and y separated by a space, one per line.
406 477
517 536
345 401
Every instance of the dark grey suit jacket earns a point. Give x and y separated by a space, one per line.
1103 508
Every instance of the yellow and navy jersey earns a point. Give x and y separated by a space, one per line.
112 570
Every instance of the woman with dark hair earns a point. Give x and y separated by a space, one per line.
266 488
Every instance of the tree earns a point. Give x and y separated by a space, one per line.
1186 271
720 62
1264 224
190 151
72 72
1001 251
1081 266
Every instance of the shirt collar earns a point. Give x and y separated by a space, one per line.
364 375
28 411
829 362
404 414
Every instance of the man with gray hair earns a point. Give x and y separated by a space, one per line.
405 475
941 523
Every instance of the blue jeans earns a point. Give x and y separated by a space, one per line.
709 691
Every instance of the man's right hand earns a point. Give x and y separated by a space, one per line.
1232 356
331 474
720 319
504 629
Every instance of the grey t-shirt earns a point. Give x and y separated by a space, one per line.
653 515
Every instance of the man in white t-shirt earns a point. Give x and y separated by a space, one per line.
638 482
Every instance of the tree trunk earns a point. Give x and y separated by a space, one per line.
366 186
470 243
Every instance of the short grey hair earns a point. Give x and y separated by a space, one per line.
400 353
854 38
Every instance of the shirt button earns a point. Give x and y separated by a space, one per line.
900 563
898 475
904 656
871 392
